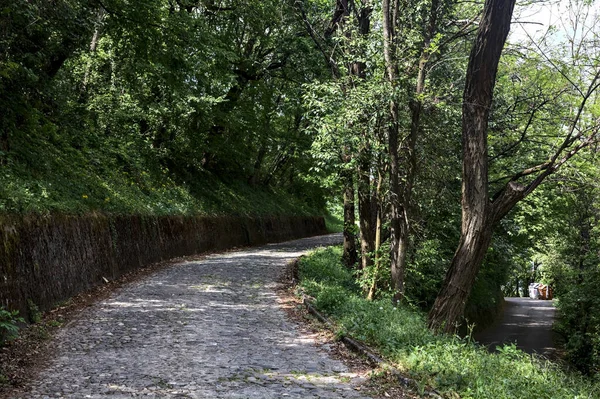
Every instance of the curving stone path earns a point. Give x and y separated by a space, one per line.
202 329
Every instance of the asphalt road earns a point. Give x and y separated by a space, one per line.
526 322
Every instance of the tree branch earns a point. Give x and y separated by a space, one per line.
313 35
523 134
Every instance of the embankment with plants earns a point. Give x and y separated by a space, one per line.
449 364
71 218
122 144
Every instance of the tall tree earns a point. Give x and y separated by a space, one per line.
390 14
367 199
476 228
481 212
344 45
403 143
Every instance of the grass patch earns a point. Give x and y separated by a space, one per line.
334 218
449 364
52 179
333 223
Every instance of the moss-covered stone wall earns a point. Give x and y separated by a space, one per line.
46 260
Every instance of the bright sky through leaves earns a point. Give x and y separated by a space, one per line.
531 20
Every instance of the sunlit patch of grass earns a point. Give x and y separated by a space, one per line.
53 179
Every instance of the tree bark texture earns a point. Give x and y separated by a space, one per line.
367 211
396 211
349 255
478 214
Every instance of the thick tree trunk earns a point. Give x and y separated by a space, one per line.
478 214
450 303
367 214
349 255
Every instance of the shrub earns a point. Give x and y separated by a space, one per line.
579 322
9 324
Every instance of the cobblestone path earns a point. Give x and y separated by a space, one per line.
202 329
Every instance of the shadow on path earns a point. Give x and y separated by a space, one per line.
526 322
209 328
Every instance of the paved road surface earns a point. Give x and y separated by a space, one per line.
528 322
203 329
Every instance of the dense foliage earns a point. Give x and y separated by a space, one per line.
158 107
544 112
567 258
9 324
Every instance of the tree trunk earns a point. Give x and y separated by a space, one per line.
366 212
350 255
93 45
396 211
402 193
4 146
450 303
478 215
373 287
255 177
403 235
366 199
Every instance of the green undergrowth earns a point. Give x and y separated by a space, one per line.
49 179
449 364
334 218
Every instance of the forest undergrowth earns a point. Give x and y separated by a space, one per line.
49 178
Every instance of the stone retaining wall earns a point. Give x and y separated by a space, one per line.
46 260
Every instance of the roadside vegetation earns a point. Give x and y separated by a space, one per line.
9 325
446 363
111 107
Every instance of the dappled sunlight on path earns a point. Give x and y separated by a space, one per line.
211 328
525 322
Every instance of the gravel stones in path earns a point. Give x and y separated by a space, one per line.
203 329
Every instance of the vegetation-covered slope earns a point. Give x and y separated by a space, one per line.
153 108
454 366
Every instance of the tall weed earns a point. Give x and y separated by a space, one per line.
9 324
